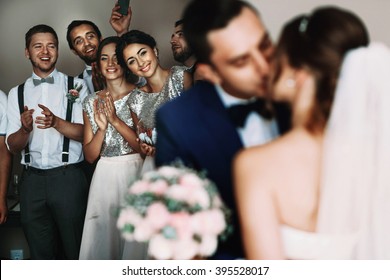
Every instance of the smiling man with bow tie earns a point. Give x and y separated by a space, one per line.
47 129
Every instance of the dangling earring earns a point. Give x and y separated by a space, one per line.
290 83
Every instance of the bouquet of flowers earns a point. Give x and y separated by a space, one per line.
178 211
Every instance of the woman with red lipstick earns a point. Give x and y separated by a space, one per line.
108 134
138 52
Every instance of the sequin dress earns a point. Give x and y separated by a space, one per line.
114 144
117 167
144 104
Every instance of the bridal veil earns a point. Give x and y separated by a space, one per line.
355 190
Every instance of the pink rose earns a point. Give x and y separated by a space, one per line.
74 92
185 249
208 245
200 196
143 231
159 187
210 222
191 180
197 223
217 218
169 171
128 216
157 215
139 187
181 222
178 192
160 248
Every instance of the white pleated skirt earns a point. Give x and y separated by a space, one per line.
101 238
148 165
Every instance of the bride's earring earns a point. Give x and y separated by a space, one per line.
291 83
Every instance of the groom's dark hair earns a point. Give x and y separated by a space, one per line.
200 17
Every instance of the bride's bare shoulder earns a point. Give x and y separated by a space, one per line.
272 157
273 148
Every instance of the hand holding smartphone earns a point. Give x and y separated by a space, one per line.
124 5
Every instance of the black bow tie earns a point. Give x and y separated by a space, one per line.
89 72
49 80
239 113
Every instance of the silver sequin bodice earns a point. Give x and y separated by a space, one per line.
114 144
145 104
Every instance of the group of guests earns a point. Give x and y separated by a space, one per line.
55 121
263 121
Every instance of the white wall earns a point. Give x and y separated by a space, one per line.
152 16
374 13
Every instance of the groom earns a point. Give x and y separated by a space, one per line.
210 123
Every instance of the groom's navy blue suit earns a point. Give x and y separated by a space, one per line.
196 129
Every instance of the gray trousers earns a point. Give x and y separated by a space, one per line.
53 204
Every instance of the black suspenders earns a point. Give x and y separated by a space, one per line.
69 108
21 110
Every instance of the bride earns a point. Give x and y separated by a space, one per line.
319 193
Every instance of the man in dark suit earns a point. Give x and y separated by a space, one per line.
210 123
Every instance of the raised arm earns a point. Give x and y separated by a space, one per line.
120 23
73 131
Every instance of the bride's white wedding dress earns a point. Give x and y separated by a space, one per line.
355 190
303 245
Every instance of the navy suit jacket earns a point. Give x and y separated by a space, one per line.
196 129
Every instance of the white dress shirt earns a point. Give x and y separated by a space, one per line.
256 130
3 113
46 145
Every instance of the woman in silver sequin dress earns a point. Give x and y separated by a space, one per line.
108 133
138 52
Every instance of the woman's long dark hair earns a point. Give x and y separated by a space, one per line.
319 42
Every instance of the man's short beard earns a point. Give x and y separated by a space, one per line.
182 56
46 69
88 60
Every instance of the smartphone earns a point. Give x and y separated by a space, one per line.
124 5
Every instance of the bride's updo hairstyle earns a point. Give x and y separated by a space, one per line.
318 42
